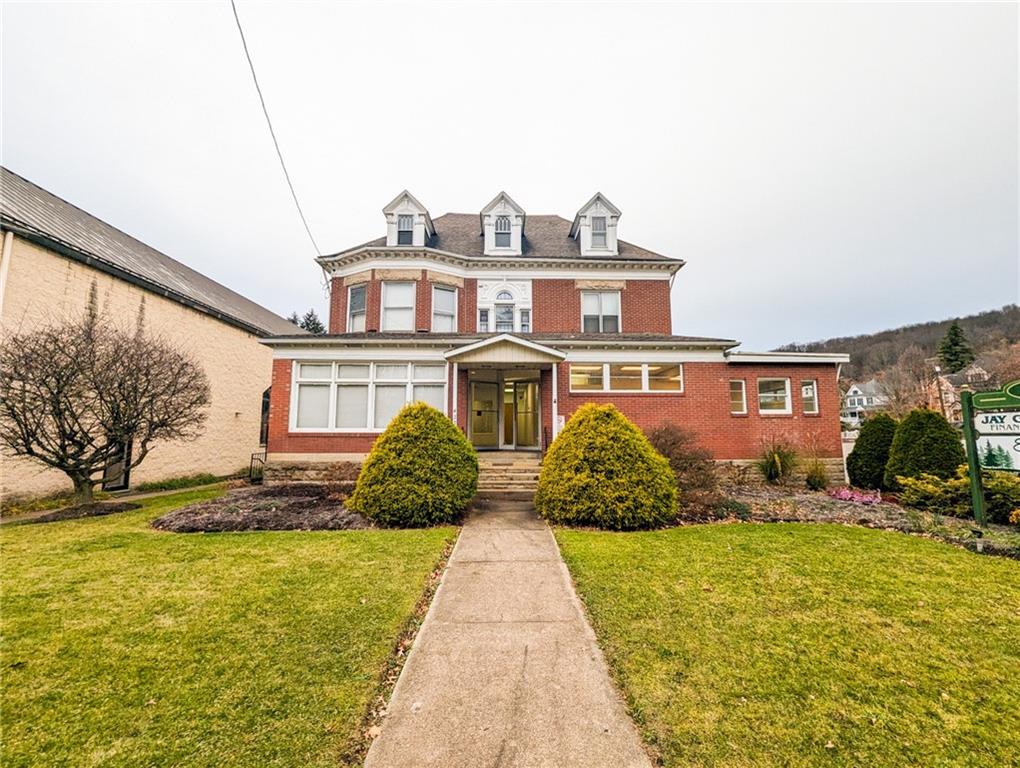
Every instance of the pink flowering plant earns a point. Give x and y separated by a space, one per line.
857 497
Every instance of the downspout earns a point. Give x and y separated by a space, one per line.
5 263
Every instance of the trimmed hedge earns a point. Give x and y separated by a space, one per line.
924 443
866 463
421 471
601 471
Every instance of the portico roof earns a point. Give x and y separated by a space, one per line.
504 347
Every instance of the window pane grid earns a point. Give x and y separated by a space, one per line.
600 311
626 377
738 396
809 395
774 395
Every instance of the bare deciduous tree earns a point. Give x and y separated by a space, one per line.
73 395
904 383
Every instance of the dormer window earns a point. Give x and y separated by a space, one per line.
502 231
594 228
598 231
405 230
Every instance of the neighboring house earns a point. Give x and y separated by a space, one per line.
942 392
53 253
508 322
861 400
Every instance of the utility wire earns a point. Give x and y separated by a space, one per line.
272 133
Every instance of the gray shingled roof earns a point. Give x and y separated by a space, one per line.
545 237
46 219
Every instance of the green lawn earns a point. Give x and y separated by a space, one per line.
799 644
123 646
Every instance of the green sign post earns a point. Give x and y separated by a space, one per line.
998 417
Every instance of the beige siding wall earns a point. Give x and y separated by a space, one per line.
44 287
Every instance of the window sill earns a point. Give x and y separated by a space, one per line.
627 392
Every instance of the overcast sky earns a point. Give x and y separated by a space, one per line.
823 169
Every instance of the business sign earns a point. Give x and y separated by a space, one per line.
999 452
1007 397
1004 423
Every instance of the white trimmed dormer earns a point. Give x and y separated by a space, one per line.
407 222
594 227
502 223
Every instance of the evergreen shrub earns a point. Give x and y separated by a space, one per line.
924 443
866 463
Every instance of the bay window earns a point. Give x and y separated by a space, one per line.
774 396
444 308
360 397
398 306
600 311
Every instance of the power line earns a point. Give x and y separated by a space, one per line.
272 133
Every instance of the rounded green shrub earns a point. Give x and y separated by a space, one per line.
924 443
421 471
602 471
866 463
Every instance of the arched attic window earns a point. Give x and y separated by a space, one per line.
502 231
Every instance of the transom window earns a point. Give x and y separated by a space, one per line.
502 231
600 311
444 308
598 231
626 377
360 397
356 308
809 395
774 396
398 306
405 230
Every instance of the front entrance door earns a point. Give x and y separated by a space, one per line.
485 414
525 414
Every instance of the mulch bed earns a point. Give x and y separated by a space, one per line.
294 507
85 510
785 505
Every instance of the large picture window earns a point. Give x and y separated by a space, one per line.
774 396
600 311
444 308
362 397
398 306
627 377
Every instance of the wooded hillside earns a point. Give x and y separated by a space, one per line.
871 353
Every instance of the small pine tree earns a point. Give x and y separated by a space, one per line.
1003 459
955 352
989 456
311 323
293 317
925 443
866 463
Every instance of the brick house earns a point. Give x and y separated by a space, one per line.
508 322
53 255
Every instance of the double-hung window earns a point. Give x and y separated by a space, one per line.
502 231
356 308
598 231
738 396
809 395
504 311
398 306
600 311
483 320
444 308
774 396
405 230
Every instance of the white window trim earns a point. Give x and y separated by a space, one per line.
774 412
645 390
399 230
382 305
619 314
350 289
333 382
604 233
814 384
456 301
478 324
743 392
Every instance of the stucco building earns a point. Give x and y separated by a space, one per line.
508 322
53 253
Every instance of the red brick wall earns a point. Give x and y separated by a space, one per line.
467 305
337 305
704 407
467 309
644 306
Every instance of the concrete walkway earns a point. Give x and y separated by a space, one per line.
505 671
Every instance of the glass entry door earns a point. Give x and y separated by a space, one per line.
485 414
526 414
